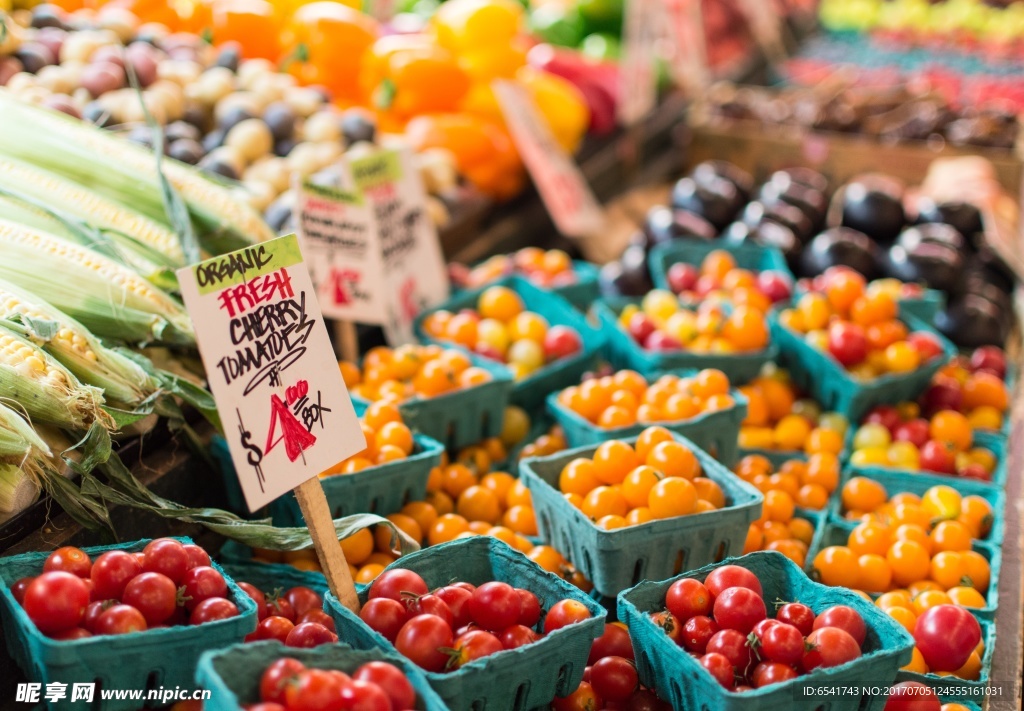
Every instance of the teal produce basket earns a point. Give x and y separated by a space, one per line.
896 481
513 680
624 352
580 293
462 417
232 675
836 533
924 307
268 577
749 256
830 383
963 688
165 657
529 393
381 489
615 560
678 678
993 442
715 432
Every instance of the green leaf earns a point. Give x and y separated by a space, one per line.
384 96
44 329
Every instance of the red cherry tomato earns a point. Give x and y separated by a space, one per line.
70 560
456 599
19 588
364 696
613 642
152 594
262 609
564 613
276 678
688 598
782 643
798 615
314 690
719 667
72 634
212 609
273 627
430 604
697 632
614 678
495 606
767 673
302 600
734 646
739 609
282 608
423 639
111 573
166 556
847 342
829 647
474 645
763 626
309 634
731 576
320 617
196 556
93 611
529 612
392 682
669 625
385 616
845 618
56 601
392 583
584 698
913 696
120 619
946 636
518 636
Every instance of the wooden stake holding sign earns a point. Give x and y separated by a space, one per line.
269 362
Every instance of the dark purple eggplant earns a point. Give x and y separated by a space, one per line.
664 224
973 321
740 178
935 264
807 177
767 234
628 275
934 232
875 208
841 246
782 188
994 269
715 199
780 213
965 217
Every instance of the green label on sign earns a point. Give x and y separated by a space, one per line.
329 192
377 169
240 266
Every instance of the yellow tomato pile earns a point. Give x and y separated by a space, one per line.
411 371
623 485
626 398
662 323
777 419
388 439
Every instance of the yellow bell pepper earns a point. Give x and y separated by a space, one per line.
560 102
467 25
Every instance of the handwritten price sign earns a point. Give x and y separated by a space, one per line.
563 189
271 367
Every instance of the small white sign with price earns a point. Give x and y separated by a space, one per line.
338 233
569 200
414 272
269 362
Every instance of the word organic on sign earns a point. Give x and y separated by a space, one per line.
271 367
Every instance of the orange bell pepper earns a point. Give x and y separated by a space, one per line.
324 44
409 75
252 23
484 153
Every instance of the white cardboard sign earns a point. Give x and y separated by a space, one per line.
338 232
569 200
270 365
413 268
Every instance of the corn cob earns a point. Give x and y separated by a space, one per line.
109 299
18 490
122 380
45 389
18 440
122 171
71 198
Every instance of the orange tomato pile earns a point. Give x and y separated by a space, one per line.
411 371
626 485
720 279
938 505
859 327
662 323
547 268
551 442
388 439
502 329
807 484
904 551
626 398
777 419
980 395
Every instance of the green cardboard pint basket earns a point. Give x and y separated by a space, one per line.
624 352
512 680
580 293
831 384
165 657
615 560
678 678
529 393
715 432
268 577
232 676
382 489
749 256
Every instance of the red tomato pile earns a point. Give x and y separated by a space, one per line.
610 679
459 623
167 584
289 685
723 622
295 618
